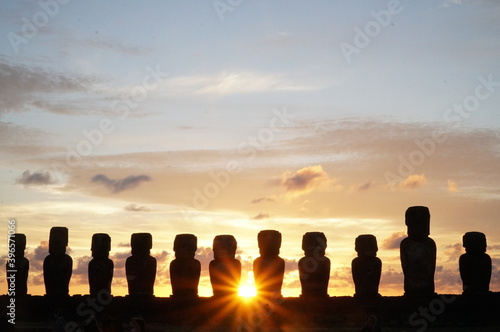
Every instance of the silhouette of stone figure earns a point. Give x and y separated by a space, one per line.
185 269
57 266
100 267
140 268
367 267
20 264
269 268
314 268
225 270
418 253
475 265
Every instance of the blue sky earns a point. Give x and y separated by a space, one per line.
178 90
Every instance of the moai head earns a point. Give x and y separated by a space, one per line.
474 242
20 244
101 245
141 244
58 240
314 244
269 243
185 246
417 219
224 247
366 245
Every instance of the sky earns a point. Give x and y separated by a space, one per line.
231 117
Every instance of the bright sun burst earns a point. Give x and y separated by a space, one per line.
247 290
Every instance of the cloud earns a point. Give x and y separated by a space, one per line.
261 216
264 199
304 180
452 187
364 186
227 83
413 181
35 179
119 185
21 85
454 251
393 241
136 208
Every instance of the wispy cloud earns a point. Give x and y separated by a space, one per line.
413 181
393 241
118 185
136 208
261 216
452 187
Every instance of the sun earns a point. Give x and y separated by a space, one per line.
247 291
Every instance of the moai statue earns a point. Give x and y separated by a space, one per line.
185 269
367 267
18 263
225 270
418 253
57 266
475 265
269 268
140 268
314 268
100 267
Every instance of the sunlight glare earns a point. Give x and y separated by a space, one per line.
247 291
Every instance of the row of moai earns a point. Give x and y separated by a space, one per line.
418 259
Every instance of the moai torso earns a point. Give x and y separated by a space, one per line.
367 267
314 268
475 265
57 266
100 267
269 268
418 253
20 264
185 269
141 267
225 270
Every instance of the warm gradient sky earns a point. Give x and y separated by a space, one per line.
210 118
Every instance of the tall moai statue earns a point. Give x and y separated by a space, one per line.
140 268
418 253
475 265
367 267
57 266
185 269
17 262
225 269
269 268
100 267
314 268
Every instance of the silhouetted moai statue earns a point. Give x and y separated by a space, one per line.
225 270
57 266
100 267
185 269
475 265
418 253
18 263
314 268
141 267
367 267
269 268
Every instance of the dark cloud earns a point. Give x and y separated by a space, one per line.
263 199
81 265
364 186
120 185
136 208
20 86
393 241
35 179
261 216
454 251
